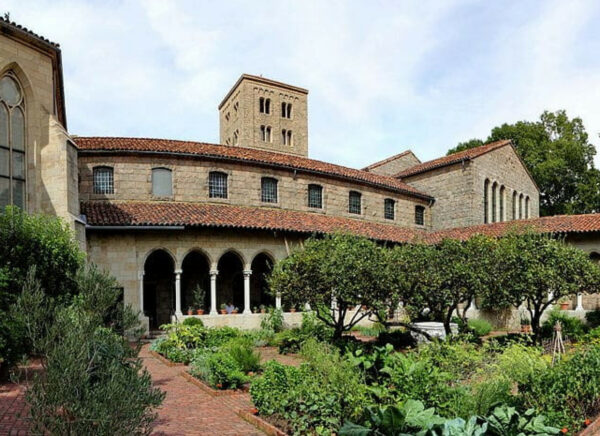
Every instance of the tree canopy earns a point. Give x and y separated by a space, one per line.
557 152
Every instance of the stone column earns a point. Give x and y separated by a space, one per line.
213 291
247 308
278 301
141 279
178 312
579 302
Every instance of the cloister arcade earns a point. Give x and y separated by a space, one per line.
167 287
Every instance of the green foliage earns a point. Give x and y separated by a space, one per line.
198 295
270 392
108 390
291 340
273 320
557 152
593 318
193 322
572 328
243 353
479 326
220 370
506 421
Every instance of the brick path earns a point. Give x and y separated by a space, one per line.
13 410
189 410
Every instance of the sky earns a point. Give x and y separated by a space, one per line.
383 76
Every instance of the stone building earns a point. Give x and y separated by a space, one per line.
185 224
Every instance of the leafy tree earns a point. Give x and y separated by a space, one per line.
536 271
335 275
557 152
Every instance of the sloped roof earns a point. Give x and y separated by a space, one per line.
389 159
469 154
242 154
101 213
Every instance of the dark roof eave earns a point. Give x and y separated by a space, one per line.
261 163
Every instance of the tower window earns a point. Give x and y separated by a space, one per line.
264 105
268 192
286 137
265 133
389 207
12 143
217 184
162 182
419 215
236 106
286 110
227 116
103 180
486 200
315 196
236 137
354 200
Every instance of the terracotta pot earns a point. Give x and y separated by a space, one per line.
292 310
526 328
223 312
263 310
254 411
564 306
190 312
200 311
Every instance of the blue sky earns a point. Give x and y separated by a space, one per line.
383 76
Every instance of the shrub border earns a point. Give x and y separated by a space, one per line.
260 423
164 360
210 390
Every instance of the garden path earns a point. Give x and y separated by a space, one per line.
188 410
13 410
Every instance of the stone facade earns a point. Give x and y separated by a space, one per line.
240 116
394 164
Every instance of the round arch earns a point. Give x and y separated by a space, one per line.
262 265
230 281
195 281
159 287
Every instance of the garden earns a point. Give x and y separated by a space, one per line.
358 379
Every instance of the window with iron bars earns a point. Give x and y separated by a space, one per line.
268 190
315 196
217 184
354 202
103 180
388 209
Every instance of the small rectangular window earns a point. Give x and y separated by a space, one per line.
315 196
103 180
354 200
162 182
261 105
268 192
419 215
217 184
389 207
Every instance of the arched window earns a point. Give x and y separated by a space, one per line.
286 110
514 205
217 184
286 137
236 137
268 192
12 143
265 133
521 206
419 215
502 194
162 182
494 202
389 209
486 200
354 200
315 196
103 180
264 105
526 207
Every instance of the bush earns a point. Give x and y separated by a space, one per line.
242 352
572 328
193 322
593 318
273 320
479 326
219 369
270 392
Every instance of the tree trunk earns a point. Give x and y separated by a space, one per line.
447 320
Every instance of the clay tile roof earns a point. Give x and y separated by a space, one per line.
234 153
225 216
558 224
453 158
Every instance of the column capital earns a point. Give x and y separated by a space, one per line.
141 274
178 272
247 272
214 272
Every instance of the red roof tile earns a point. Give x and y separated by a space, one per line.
102 213
243 154
452 159
551 224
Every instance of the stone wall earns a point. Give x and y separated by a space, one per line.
393 165
132 180
247 119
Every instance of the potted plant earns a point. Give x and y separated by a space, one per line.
262 308
255 309
235 310
525 325
198 297
564 303
292 309
190 310
223 309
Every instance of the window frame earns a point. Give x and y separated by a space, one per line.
213 185
153 172
111 180
386 209
355 195
420 215
311 187
266 197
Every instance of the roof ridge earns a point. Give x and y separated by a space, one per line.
389 159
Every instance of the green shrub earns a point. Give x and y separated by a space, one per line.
572 328
242 352
273 320
289 341
215 337
193 322
270 392
593 318
219 369
479 326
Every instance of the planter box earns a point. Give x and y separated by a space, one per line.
260 423
209 389
164 360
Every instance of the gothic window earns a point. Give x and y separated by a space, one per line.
514 205
494 201
162 182
486 188
501 217
265 133
354 200
419 215
103 180
315 196
12 143
217 184
389 207
268 192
